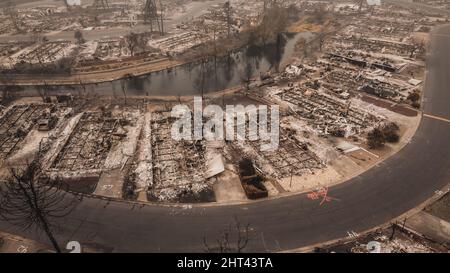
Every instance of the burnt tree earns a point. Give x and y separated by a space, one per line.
233 239
135 42
29 199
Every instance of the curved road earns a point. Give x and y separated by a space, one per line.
397 185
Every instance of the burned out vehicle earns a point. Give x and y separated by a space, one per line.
252 182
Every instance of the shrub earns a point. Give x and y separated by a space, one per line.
382 134
414 97
375 139
390 132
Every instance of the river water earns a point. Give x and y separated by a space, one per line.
204 77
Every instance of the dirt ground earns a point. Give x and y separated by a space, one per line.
441 208
228 187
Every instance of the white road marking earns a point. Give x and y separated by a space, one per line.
437 118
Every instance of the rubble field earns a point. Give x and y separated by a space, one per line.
127 151
178 166
328 114
378 53
92 144
89 143
141 38
15 125
394 239
362 71
291 158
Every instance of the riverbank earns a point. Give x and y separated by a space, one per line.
91 77
126 69
171 77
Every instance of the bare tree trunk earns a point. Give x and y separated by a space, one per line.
124 90
31 199
162 17
229 18
49 234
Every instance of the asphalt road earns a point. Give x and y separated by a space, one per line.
397 185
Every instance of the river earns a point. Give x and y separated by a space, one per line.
199 77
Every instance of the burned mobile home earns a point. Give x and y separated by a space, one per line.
338 73
179 167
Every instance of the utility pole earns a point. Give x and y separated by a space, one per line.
228 14
151 14
162 17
